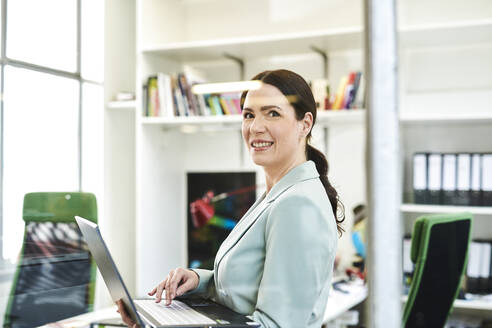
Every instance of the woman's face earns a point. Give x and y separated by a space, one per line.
273 135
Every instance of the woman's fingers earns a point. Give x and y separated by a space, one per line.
186 286
124 315
168 287
159 289
178 282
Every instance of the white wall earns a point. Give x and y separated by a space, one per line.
118 224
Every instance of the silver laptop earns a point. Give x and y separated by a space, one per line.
183 312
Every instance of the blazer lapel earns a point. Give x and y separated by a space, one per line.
302 172
243 225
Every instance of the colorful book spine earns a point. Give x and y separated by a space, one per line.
216 104
225 107
153 100
340 93
348 90
237 104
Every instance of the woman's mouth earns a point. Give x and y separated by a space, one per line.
261 145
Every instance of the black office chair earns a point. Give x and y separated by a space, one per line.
440 252
55 276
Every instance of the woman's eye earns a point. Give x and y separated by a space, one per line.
273 113
247 115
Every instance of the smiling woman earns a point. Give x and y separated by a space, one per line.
287 101
276 264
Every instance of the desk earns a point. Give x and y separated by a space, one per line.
340 302
85 319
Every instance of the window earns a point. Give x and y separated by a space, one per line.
52 106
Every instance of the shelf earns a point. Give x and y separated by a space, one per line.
130 105
481 305
192 120
323 118
260 46
446 34
453 34
473 304
446 119
431 209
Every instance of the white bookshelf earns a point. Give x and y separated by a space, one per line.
430 119
260 46
323 118
122 105
335 39
456 33
438 209
167 41
478 304
482 305
165 151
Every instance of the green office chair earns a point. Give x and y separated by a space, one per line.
55 275
439 251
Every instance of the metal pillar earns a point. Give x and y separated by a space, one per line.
383 165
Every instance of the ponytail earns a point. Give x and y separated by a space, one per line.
322 166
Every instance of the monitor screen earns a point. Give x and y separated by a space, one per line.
216 202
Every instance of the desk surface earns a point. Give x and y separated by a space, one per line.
85 319
338 303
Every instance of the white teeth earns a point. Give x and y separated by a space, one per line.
262 144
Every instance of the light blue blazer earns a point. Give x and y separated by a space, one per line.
276 264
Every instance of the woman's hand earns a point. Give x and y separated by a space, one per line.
124 315
177 282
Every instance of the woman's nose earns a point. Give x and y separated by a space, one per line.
257 126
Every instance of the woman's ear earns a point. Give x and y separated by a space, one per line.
306 124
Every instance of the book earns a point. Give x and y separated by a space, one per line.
204 109
348 90
153 100
165 95
359 101
217 107
449 179
463 179
319 88
486 179
211 104
420 190
145 97
178 96
124 96
190 99
237 103
434 168
355 89
340 93
476 171
225 107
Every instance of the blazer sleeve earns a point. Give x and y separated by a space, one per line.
206 284
296 266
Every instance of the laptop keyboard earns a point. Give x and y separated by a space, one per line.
175 314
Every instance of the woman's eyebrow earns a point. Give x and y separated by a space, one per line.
269 106
262 108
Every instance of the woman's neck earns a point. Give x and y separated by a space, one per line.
274 174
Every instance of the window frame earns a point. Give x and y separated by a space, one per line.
77 75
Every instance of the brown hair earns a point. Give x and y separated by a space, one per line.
295 88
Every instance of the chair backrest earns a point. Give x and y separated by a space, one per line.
55 275
440 251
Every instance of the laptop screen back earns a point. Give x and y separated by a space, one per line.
105 263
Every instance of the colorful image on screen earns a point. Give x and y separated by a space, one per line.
216 202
